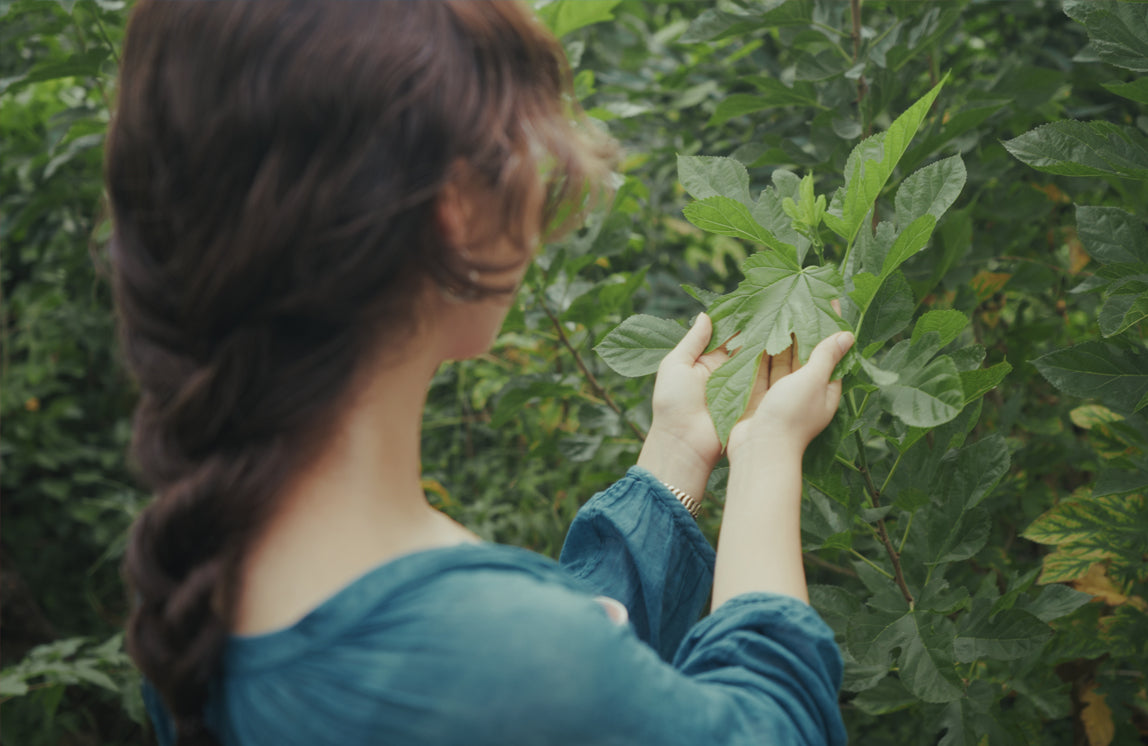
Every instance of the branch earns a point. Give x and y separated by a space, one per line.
597 387
875 501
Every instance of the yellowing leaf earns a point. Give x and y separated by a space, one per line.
1078 258
987 284
1053 192
1090 415
1097 718
1097 583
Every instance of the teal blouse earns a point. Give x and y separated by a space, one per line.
487 644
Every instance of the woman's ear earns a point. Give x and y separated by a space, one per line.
454 211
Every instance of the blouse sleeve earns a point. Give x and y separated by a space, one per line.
637 544
541 664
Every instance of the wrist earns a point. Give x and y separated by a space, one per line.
675 462
760 448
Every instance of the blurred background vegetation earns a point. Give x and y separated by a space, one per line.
516 440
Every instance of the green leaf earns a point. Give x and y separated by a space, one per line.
81 64
729 387
706 176
1111 235
727 217
928 391
564 16
969 475
956 534
1056 601
1136 91
930 191
1118 31
890 312
909 241
770 214
1072 148
1009 635
977 383
778 299
890 695
1099 370
771 93
865 287
870 165
947 323
926 650
637 345
775 300
1125 306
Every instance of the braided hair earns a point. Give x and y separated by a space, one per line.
273 168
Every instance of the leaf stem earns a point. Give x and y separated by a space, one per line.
875 501
871 563
889 476
846 462
590 379
905 537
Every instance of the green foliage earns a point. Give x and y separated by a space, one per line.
775 162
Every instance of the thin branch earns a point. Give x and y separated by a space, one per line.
875 501
871 563
813 559
590 379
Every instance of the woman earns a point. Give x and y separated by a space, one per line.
315 204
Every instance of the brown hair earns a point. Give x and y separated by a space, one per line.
273 170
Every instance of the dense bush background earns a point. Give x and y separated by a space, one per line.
516 440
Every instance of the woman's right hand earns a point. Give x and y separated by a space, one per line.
790 403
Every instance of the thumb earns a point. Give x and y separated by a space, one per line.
694 343
828 353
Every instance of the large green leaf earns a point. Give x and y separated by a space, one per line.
947 323
1137 90
1124 306
927 391
1098 370
870 165
728 217
707 176
1118 31
925 641
1007 636
978 382
1112 235
930 191
776 299
909 241
889 313
1072 148
637 345
955 534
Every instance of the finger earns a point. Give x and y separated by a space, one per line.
782 365
761 383
694 343
828 353
835 304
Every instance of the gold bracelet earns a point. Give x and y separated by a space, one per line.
691 504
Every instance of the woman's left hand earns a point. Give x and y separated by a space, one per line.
682 446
